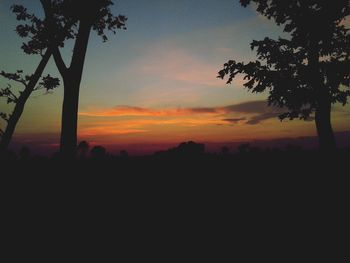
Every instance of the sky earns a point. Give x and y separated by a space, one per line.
156 83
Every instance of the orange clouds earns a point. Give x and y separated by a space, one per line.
138 111
127 123
137 126
108 130
127 120
258 108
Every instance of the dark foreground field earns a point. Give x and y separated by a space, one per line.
275 202
189 181
215 179
167 165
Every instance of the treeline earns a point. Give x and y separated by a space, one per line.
184 151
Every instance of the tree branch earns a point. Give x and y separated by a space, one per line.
17 77
7 93
62 68
4 116
55 49
11 94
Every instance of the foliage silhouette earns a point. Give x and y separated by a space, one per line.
83 17
185 150
83 149
244 148
124 154
306 73
33 30
187 159
24 153
98 153
225 150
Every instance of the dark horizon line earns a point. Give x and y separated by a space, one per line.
146 149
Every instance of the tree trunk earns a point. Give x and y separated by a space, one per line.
323 109
325 133
69 118
19 107
72 82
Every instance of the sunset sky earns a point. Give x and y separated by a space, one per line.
156 83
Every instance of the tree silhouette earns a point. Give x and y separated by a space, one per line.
83 149
124 154
84 16
98 152
186 149
225 150
33 30
24 153
309 71
244 148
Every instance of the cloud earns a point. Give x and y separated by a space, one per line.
225 50
234 120
119 111
108 130
260 110
143 123
258 106
256 111
177 64
261 117
137 126
175 60
182 68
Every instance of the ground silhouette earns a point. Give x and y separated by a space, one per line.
187 158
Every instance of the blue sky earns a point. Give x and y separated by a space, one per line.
193 31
